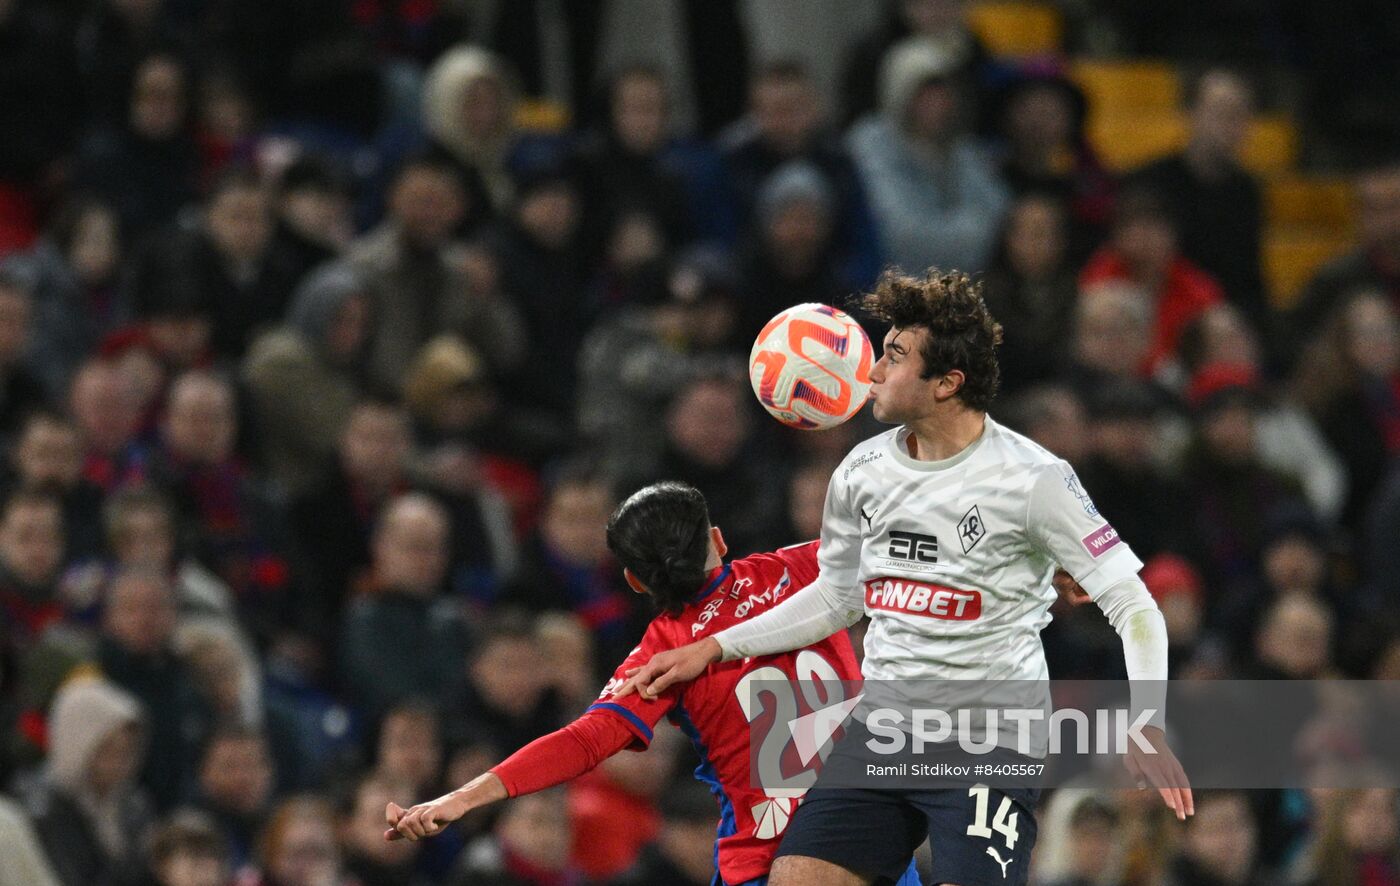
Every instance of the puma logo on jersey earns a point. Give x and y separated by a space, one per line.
869 527
992 851
918 598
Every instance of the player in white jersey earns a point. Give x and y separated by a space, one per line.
946 531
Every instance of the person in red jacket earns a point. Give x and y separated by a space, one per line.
663 537
1142 249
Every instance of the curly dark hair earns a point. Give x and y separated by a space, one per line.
962 333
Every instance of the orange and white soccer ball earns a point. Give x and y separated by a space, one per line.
810 367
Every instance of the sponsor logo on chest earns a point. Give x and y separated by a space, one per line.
921 598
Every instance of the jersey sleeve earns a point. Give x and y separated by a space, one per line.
800 561
1063 523
839 554
638 714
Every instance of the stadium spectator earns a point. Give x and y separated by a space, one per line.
622 168
25 861
939 22
543 270
31 554
298 846
48 454
187 849
226 265
1030 289
415 288
1374 264
633 362
1081 839
936 198
1054 416
410 747
786 123
1141 500
21 389
790 259
505 700
136 651
1349 381
565 565
806 493
402 604
469 104
234 527
235 787
332 521
314 212
1220 845
1357 840
304 378
1294 641
1230 489
1143 250
1112 333
1220 342
72 274
146 164
369 858
88 810
683 852
1216 205
1041 115
529 846
712 445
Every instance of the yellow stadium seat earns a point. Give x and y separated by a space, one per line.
1017 29
542 116
1291 260
1317 205
1271 146
1127 141
1117 88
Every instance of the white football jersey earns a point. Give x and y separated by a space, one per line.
954 558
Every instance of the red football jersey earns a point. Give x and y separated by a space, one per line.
715 710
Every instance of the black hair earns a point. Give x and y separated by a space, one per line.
661 534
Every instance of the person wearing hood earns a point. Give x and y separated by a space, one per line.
469 103
936 197
303 379
793 258
88 811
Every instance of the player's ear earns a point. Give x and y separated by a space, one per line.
949 384
633 582
717 539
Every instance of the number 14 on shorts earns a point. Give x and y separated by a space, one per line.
1003 823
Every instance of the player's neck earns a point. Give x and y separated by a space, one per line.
944 434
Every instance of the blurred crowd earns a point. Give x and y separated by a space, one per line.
331 333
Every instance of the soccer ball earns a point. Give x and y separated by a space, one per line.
810 367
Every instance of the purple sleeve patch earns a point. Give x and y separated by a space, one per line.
1100 540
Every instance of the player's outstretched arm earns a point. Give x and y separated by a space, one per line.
545 762
429 819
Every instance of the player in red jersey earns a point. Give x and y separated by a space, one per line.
663 538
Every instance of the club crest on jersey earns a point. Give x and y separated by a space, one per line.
971 529
919 598
1077 490
1100 540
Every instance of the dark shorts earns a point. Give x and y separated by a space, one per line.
980 836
